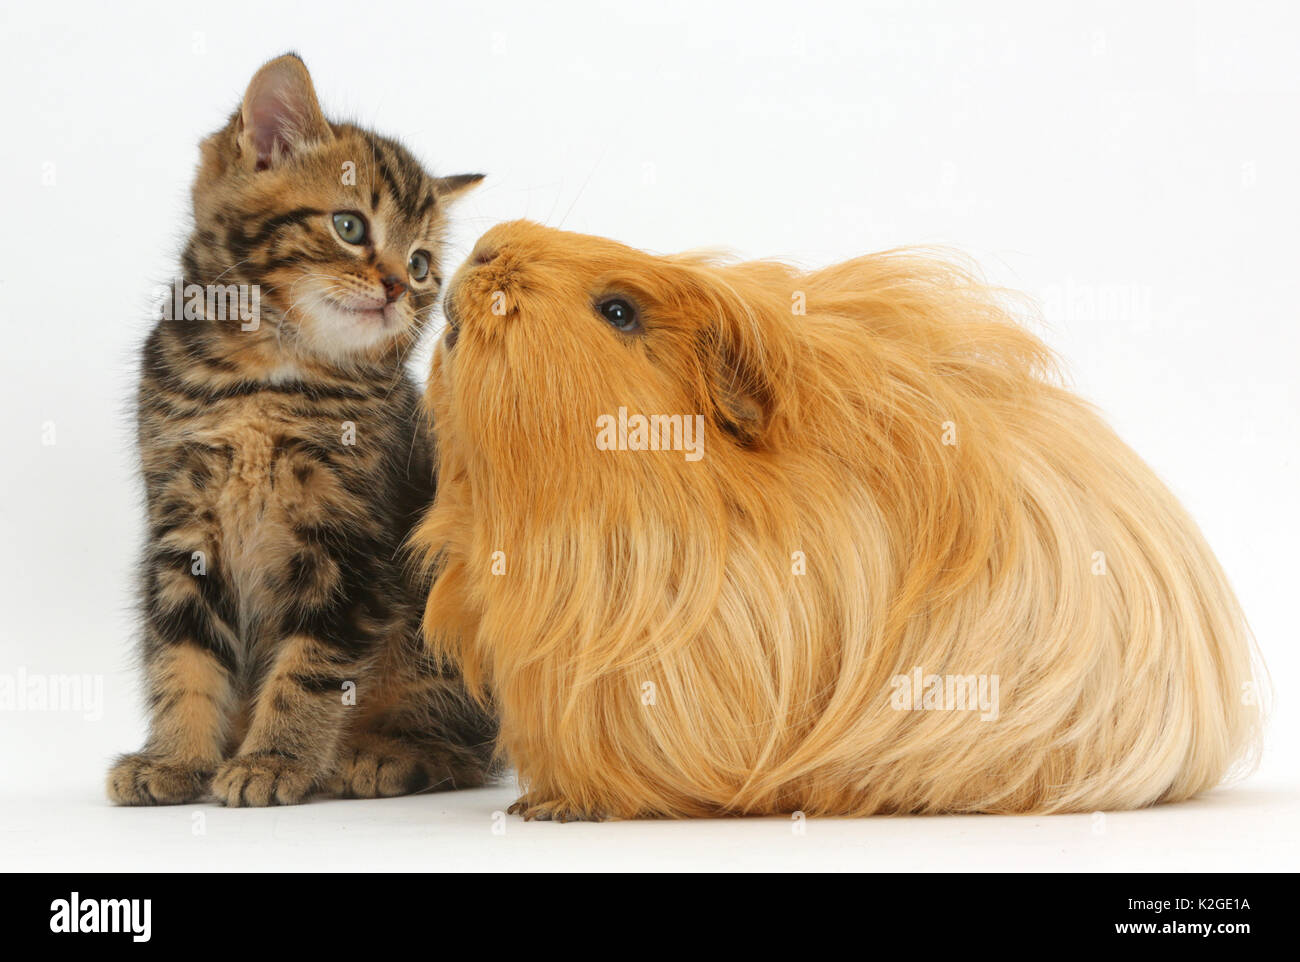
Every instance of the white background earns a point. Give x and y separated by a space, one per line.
1131 165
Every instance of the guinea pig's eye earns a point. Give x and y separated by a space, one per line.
620 314
419 265
350 226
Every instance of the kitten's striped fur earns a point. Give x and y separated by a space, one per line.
283 468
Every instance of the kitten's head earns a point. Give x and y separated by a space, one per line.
341 230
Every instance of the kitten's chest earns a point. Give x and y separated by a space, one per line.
251 434
280 473
249 509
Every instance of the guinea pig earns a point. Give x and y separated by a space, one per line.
741 539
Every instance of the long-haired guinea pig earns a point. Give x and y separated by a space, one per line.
744 539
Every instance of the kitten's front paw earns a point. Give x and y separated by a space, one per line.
552 810
377 767
141 779
263 778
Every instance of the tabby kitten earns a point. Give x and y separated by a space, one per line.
285 461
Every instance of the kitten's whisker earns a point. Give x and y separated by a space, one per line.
231 268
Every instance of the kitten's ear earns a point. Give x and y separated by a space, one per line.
449 188
280 113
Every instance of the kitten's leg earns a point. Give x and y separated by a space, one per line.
189 660
329 630
296 726
382 764
417 730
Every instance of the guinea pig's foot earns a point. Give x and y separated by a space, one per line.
551 810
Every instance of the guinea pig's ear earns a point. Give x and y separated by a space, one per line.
740 384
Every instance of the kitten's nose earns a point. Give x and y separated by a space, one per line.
393 288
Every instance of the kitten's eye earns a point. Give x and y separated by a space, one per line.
620 314
351 227
419 265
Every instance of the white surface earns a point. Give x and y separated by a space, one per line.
1249 829
1133 166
